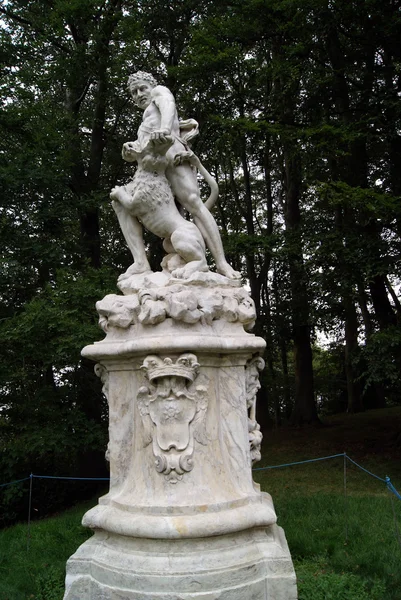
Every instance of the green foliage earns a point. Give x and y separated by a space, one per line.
330 383
332 539
316 581
310 505
364 569
300 123
383 356
38 572
50 584
42 374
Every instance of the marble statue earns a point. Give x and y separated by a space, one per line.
166 169
183 518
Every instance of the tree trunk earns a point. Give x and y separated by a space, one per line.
381 303
351 351
379 393
85 178
270 355
396 301
304 410
287 400
286 88
352 170
288 404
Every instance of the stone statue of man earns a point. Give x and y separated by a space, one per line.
160 128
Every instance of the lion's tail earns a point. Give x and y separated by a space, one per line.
212 183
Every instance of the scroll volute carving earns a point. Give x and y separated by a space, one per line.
103 374
173 411
252 385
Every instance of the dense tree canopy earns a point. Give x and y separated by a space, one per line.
299 105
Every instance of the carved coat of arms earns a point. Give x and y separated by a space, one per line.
173 410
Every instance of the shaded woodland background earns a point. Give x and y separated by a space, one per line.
300 117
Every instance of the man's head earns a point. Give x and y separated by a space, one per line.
140 84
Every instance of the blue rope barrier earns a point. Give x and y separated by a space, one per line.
71 478
301 462
16 481
366 471
387 480
392 489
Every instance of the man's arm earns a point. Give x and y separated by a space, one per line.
164 100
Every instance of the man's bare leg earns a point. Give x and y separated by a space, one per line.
206 224
132 232
186 190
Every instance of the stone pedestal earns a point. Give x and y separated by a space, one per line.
248 565
183 518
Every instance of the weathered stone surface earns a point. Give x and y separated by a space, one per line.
180 446
251 565
166 172
196 300
183 518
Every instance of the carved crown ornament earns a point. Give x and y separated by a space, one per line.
186 366
173 411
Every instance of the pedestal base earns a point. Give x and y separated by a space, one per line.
183 519
250 565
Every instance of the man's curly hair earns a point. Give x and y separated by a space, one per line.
141 76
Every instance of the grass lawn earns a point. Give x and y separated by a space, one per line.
343 548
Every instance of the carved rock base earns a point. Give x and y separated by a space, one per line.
183 518
249 565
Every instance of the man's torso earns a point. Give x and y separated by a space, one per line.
151 121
